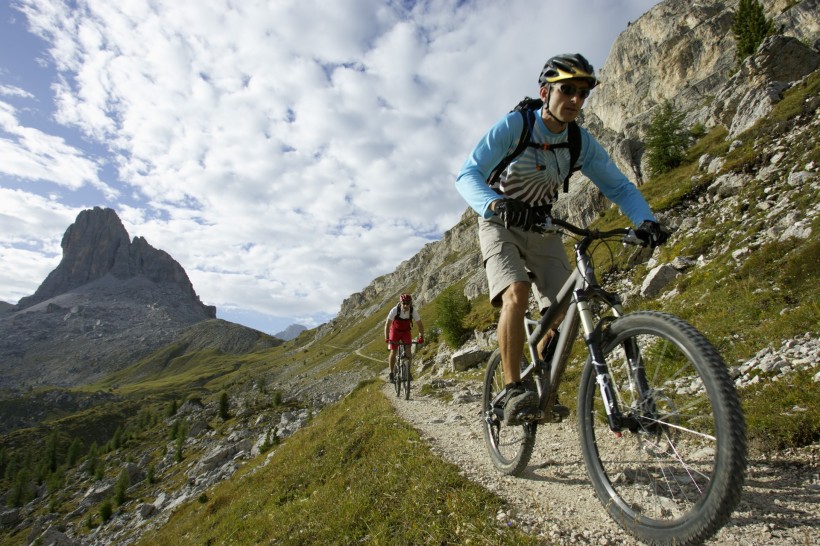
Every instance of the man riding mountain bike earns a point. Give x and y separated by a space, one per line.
399 326
510 204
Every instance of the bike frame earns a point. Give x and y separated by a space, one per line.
573 301
405 349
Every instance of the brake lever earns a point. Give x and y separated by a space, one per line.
632 238
546 227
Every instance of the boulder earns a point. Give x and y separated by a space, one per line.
468 357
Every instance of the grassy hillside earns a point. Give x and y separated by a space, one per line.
356 472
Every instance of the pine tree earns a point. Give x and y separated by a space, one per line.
106 510
665 140
93 459
52 450
121 487
223 406
4 460
74 451
750 27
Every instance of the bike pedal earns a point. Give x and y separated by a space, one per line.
560 411
522 418
557 415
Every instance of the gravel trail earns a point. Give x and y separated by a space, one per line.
554 499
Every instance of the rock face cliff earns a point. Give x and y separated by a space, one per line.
108 302
96 245
683 52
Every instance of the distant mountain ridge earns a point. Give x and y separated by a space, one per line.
291 332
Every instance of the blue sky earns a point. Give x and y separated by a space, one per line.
285 152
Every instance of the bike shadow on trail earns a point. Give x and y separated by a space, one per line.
772 491
569 472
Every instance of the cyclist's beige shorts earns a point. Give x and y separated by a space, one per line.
513 255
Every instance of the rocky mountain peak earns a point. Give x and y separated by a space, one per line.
97 244
109 302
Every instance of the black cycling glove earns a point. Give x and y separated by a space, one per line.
651 233
515 213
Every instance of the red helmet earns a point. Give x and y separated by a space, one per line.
406 298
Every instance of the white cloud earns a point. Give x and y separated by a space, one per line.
286 153
31 229
32 155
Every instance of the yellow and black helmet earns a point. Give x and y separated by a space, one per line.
566 67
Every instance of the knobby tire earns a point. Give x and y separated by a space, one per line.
397 373
677 476
405 370
510 447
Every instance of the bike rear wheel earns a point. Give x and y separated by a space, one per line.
675 475
510 448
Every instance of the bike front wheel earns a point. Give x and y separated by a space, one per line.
405 371
510 447
397 378
675 472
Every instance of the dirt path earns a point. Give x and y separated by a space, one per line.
554 499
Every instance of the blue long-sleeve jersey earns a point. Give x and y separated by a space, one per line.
536 175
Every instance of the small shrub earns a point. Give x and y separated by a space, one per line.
277 399
452 307
271 439
106 510
171 410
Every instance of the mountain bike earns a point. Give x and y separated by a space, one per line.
661 428
402 375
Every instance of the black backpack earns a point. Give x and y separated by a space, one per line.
398 314
527 109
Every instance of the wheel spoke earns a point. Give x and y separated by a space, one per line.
673 389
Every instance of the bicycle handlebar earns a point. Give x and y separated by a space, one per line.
549 224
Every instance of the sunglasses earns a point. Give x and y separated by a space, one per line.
570 90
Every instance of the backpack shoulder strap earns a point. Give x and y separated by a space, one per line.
398 313
574 139
527 109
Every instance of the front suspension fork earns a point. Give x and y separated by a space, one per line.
593 340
